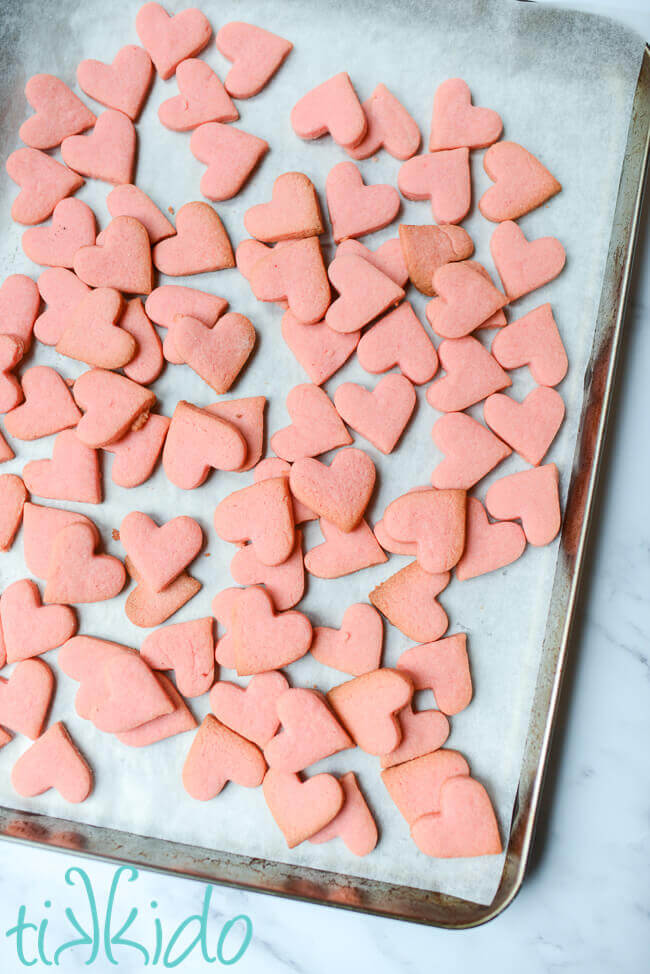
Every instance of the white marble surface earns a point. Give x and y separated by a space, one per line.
585 903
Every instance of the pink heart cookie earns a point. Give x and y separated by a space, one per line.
293 213
43 183
48 407
354 823
59 112
256 55
441 177
415 785
120 259
319 350
217 354
442 667
316 427
472 374
457 123
408 600
170 40
467 298
333 107
73 226
524 265
465 826
521 182
301 808
11 353
261 514
130 200
339 492
94 336
198 441
275 467
219 755
247 415
108 153
364 293
310 732
160 728
295 273
488 546
124 84
426 248
533 340
25 698
435 521
470 449
19 304
13 495
533 497
367 706
146 608
398 339
202 99
285 582
147 363
381 415
356 209
201 243
136 454
41 526
388 257
53 761
528 427
160 554
187 648
264 639
356 647
230 154
112 404
422 732
169 302
250 712
389 127
343 552
76 573
61 290
73 473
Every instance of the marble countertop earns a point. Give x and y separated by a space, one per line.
584 905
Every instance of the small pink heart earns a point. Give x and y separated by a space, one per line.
230 154
343 552
202 99
488 546
356 647
399 339
111 404
388 257
316 425
470 449
198 441
53 761
40 528
521 182
43 183
389 127
124 84
93 335
73 473
219 755
319 350
434 520
367 706
136 454
200 244
256 55
11 353
301 808
472 374
61 291
59 112
19 304
295 273
108 153
310 732
333 107
250 711
73 226
528 427
170 40
217 354
25 697
426 248
457 123
339 492
76 574
364 293
354 823
380 415
12 501
465 826
169 302
48 407
285 582
264 639
532 496
356 209
30 628
261 514
160 554
533 340
443 667
130 200
408 600
443 178
121 258
185 647
293 212
467 299
524 265
422 732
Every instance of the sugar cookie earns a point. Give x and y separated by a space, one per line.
123 84
399 339
443 667
443 178
332 106
48 407
471 451
310 732
488 546
187 648
390 127
108 153
339 492
200 244
408 600
58 112
316 425
367 707
356 209
380 415
170 40
198 441
456 123
521 182
528 427
73 473
472 374
354 823
53 761
533 497
356 647
250 711
343 552
43 182
256 55
230 154
261 514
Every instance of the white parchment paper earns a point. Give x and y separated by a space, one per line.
563 83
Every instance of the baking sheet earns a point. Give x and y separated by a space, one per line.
563 83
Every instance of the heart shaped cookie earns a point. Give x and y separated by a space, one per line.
146 608
356 647
124 84
76 573
261 514
343 552
250 711
399 339
415 785
130 200
316 425
61 291
390 127
94 336
201 243
264 639
58 112
524 265
533 340
471 451
426 248
53 761
198 441
108 153
48 407
422 732
472 374
219 755
367 707
533 497
443 178
467 298
202 98
73 473
356 209
160 728
487 546
310 732
528 427
112 404
521 182
364 293
295 273
160 554
301 808
333 107
387 258
73 226
120 259
41 525
465 825
43 183
354 823
293 213
434 520
217 354
187 648
319 350
256 55
408 600
137 452
380 415
443 667
457 123
25 697
230 154
170 40
339 492
246 415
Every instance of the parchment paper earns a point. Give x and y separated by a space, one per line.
563 83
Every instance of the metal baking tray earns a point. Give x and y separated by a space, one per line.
404 902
